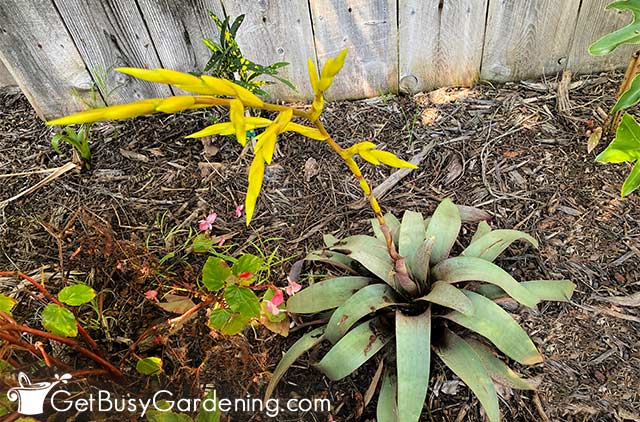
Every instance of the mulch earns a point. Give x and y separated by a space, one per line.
505 148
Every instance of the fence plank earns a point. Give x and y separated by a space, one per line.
46 65
369 29
111 33
5 77
277 31
440 42
594 22
177 28
526 39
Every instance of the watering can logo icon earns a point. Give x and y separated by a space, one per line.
31 396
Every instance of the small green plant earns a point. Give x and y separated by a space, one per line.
446 305
626 144
79 140
58 319
228 62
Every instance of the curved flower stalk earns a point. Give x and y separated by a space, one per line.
215 91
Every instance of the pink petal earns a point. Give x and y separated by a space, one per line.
278 298
151 294
211 218
204 225
239 209
292 288
222 240
273 308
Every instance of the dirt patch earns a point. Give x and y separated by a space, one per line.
504 149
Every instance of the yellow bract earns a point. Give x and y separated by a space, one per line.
125 111
256 174
367 151
227 128
313 74
236 114
161 76
320 85
309 132
266 141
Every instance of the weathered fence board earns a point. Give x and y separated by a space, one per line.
176 29
527 38
41 56
594 22
112 33
440 42
282 30
369 29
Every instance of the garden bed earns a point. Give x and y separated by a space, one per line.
504 149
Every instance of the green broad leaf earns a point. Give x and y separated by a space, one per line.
394 227
420 266
632 182
550 290
215 273
466 364
444 227
149 366
626 145
335 259
326 294
55 142
76 295
205 415
59 321
630 97
6 304
329 240
492 244
202 243
242 300
371 253
299 348
353 350
387 408
444 294
365 301
228 322
498 370
629 34
412 232
494 323
483 228
161 413
413 348
247 263
467 268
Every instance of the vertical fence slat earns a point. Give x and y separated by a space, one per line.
369 29
277 31
440 42
526 39
594 22
37 48
112 33
177 27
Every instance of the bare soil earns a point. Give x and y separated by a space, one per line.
505 149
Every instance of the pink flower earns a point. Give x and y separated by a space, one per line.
151 294
222 240
276 300
207 223
239 209
292 288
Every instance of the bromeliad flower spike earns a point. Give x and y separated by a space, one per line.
215 91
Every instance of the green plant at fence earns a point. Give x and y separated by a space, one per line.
406 293
228 62
625 147
373 312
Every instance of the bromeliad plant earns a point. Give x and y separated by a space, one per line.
216 91
440 303
626 144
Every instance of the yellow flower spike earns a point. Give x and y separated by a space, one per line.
307 131
162 76
225 128
391 160
333 66
176 104
217 86
325 83
236 113
256 174
125 111
313 75
87 116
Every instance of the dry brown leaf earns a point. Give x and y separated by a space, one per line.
631 300
594 139
176 303
132 155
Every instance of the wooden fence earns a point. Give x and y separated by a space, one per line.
51 47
